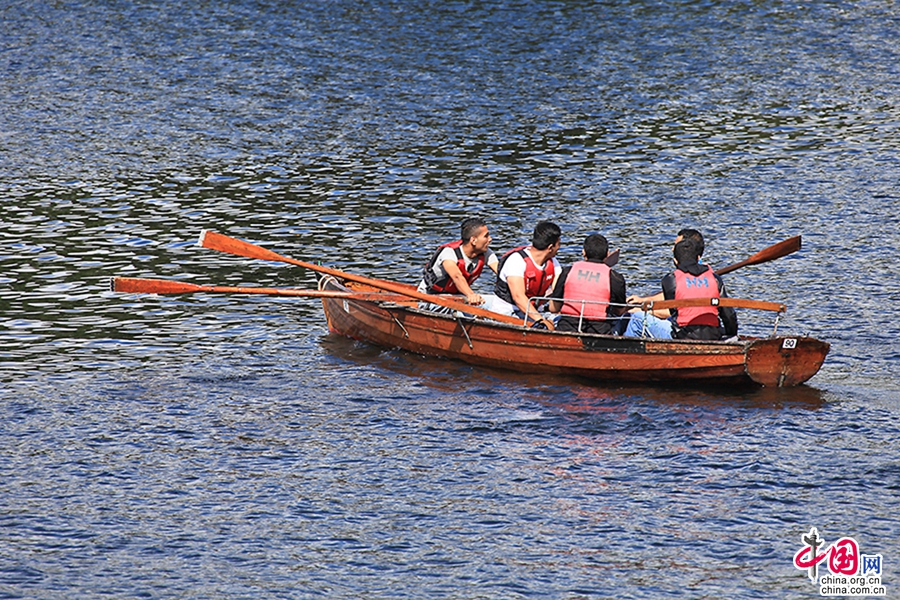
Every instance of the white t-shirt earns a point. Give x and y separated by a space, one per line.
450 254
515 266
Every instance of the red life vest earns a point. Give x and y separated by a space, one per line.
446 285
537 281
704 285
587 281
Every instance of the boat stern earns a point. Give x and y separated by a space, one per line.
785 361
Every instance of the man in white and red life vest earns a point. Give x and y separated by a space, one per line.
690 279
526 273
455 266
591 296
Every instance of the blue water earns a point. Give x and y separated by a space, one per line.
228 447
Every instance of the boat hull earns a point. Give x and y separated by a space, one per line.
777 362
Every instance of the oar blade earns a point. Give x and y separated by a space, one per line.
778 250
612 259
224 243
230 245
784 248
134 285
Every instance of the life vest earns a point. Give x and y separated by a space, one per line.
446 285
537 281
704 285
586 281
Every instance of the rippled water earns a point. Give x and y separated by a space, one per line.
228 447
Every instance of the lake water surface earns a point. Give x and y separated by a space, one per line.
229 447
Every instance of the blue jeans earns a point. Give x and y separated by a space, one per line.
656 327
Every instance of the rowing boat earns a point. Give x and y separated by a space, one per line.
775 361
387 314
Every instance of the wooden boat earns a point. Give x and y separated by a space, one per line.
387 314
777 361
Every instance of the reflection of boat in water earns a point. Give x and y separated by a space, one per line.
774 361
570 394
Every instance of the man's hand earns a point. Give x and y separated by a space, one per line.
474 299
662 314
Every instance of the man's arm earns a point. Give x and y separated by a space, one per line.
557 271
616 293
641 299
492 261
729 320
517 291
726 313
559 291
452 269
659 297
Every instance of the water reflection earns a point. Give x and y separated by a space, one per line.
571 394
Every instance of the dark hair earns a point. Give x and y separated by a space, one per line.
686 252
545 235
596 247
469 227
693 234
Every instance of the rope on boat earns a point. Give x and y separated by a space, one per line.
459 319
405 332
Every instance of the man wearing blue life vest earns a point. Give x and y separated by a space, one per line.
589 295
455 266
690 279
526 275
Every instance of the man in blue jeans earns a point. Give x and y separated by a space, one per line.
690 279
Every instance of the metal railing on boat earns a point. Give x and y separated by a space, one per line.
665 305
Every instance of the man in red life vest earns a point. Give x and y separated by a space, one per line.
528 272
591 296
455 266
690 279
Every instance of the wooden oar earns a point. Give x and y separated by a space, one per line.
138 285
230 245
771 253
732 302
